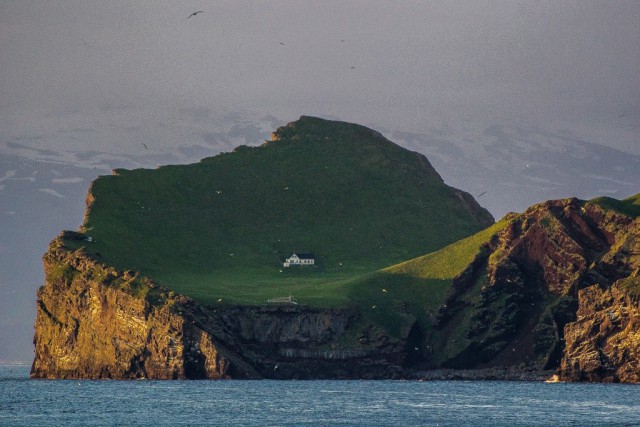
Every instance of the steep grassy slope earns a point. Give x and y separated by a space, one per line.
413 291
221 228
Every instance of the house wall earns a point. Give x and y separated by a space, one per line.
294 260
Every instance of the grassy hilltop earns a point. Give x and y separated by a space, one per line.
629 206
220 229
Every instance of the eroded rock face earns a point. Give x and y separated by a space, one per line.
93 322
518 301
603 344
298 342
286 324
557 243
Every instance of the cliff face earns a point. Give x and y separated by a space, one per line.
603 344
545 292
297 342
95 322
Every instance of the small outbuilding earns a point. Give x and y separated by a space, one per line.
300 259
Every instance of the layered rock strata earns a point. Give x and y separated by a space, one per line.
552 290
603 344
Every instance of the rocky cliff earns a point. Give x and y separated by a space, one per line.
603 344
556 288
96 322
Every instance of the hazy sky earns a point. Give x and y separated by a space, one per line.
101 84
95 75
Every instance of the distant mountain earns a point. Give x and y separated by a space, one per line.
509 168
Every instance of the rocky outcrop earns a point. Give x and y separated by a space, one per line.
298 342
603 344
96 322
546 279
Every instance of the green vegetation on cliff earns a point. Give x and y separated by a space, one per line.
629 206
413 291
220 229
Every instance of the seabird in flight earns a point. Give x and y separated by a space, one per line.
195 13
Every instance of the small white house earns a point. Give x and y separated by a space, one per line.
300 259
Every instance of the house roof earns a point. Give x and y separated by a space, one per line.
305 256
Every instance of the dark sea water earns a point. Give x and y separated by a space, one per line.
25 402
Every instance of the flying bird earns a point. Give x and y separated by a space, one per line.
481 194
195 13
145 146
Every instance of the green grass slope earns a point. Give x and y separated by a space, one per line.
629 206
220 229
413 290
